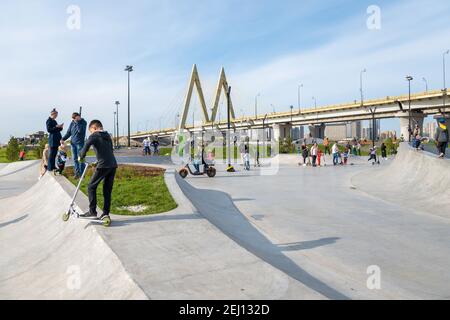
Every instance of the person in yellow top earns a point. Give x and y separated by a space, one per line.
326 144
442 137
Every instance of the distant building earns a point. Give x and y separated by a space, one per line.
367 131
388 135
35 138
343 131
298 132
429 129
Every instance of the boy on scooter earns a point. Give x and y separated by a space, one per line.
105 169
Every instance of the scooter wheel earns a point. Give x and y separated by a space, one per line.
211 172
106 222
66 217
183 173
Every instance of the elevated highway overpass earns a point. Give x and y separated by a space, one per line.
422 105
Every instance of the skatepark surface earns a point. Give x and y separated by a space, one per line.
303 233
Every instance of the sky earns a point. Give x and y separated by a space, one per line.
266 47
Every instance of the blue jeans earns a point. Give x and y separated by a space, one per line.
335 158
79 167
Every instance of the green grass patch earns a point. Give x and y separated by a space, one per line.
30 155
133 186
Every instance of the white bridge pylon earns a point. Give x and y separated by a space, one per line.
195 81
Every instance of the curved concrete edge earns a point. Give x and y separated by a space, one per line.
47 262
15 167
183 203
417 180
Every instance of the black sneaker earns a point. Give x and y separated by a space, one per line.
88 215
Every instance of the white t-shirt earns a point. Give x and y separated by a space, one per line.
335 149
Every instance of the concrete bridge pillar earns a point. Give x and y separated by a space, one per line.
282 131
416 118
317 131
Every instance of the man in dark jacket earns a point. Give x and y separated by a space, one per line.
105 170
54 138
77 133
442 137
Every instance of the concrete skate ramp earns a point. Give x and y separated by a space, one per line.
17 177
44 258
16 167
415 179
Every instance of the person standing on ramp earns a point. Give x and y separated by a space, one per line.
77 133
442 137
54 138
105 170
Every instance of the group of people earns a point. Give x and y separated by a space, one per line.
55 152
150 146
315 157
55 156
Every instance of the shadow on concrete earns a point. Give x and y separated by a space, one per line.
120 221
5 224
305 245
242 199
218 208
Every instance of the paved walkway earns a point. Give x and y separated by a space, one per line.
314 220
304 233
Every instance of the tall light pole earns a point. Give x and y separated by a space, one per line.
444 95
361 85
273 108
114 126
315 102
292 108
117 124
426 84
409 79
256 105
300 86
230 168
176 120
129 69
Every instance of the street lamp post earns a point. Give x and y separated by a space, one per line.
176 120
114 126
256 105
129 69
230 168
117 124
361 85
426 84
409 79
300 86
444 95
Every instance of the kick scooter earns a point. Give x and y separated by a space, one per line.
72 212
